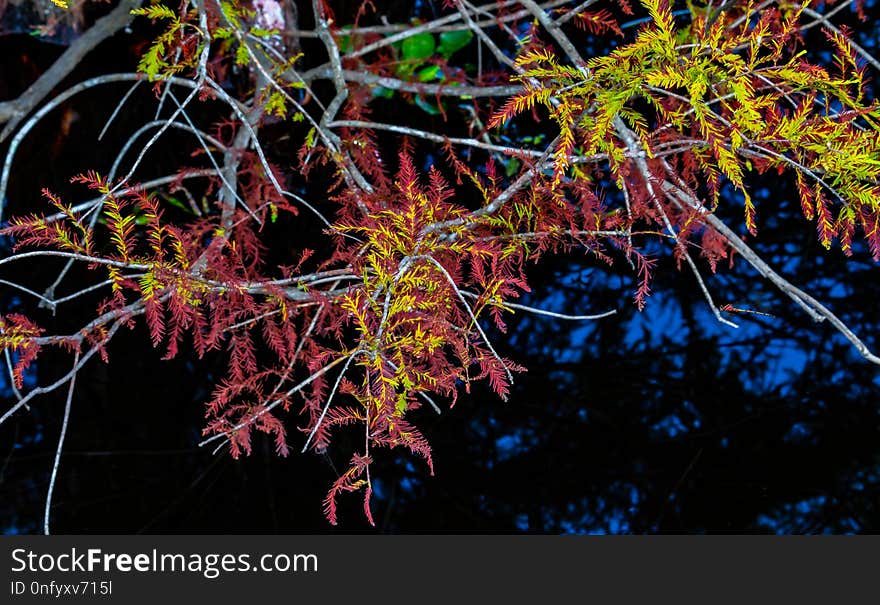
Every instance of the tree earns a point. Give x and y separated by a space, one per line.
554 130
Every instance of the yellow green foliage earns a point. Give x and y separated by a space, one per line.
734 91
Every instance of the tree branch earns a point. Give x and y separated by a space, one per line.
13 112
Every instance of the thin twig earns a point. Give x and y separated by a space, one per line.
472 316
57 462
544 312
330 398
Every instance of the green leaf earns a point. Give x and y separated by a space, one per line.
418 47
178 204
400 406
151 62
157 11
451 42
231 14
263 33
344 41
241 55
430 73
381 91
511 167
275 105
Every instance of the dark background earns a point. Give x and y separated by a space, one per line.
655 421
